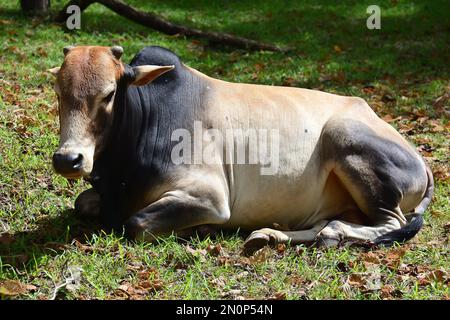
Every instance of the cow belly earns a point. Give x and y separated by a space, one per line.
293 204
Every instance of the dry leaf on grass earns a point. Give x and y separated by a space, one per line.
370 259
196 253
278 296
394 256
261 255
366 281
214 250
14 288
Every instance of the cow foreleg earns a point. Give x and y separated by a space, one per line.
266 236
172 213
87 204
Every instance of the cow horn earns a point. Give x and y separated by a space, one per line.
117 51
67 49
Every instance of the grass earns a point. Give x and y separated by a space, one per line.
402 70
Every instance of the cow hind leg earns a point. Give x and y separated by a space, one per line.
382 177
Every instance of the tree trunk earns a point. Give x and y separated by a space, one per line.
35 7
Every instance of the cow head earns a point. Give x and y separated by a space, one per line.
86 85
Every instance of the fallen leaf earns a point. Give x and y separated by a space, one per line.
214 250
356 280
219 282
296 280
278 296
14 288
369 259
232 292
437 275
367 281
392 258
197 253
83 247
261 255
386 291
281 248
389 119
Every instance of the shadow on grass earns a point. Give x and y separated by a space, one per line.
51 236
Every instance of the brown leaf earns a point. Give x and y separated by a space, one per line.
393 257
281 248
278 296
124 287
154 285
356 280
150 281
234 293
437 275
14 288
201 253
389 119
214 250
223 261
369 259
83 247
261 255
219 282
296 280
386 291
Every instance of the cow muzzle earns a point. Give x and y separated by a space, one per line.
71 165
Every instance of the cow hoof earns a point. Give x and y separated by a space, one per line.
255 241
87 205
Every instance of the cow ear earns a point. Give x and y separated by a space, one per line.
54 71
148 73
117 51
66 49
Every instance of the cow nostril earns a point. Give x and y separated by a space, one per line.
76 160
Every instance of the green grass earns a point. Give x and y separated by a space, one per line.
401 70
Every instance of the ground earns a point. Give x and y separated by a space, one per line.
402 71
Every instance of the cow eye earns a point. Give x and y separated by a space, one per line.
108 98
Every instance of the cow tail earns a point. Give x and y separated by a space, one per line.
415 218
